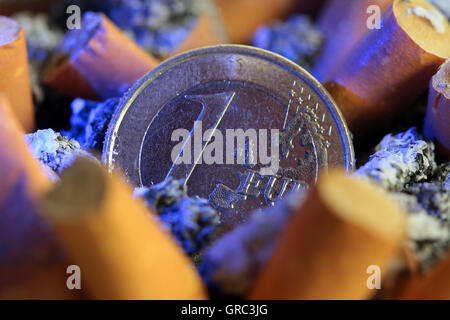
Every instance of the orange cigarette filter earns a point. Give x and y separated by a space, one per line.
121 249
343 23
433 286
32 265
344 227
97 61
14 75
388 68
241 18
437 121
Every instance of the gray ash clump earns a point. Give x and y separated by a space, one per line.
297 39
53 150
442 174
230 265
434 197
89 122
428 234
400 161
192 221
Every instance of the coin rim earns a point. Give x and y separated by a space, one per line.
128 98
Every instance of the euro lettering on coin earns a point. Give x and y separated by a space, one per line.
242 126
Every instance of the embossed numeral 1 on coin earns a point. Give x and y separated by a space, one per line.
214 107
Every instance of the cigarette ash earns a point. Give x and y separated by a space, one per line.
428 234
442 174
89 122
192 221
53 150
404 166
400 161
430 230
434 197
42 38
230 265
297 39
158 26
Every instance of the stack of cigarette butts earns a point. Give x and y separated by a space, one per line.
381 232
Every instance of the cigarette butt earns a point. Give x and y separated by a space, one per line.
97 61
205 33
30 255
433 286
388 68
241 18
14 74
62 75
343 23
122 250
437 120
344 227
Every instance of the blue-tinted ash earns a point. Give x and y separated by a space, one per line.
297 39
158 26
192 220
230 265
89 122
53 150
400 161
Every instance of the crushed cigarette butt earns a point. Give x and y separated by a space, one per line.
231 264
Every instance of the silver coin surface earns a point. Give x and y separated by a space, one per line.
228 87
